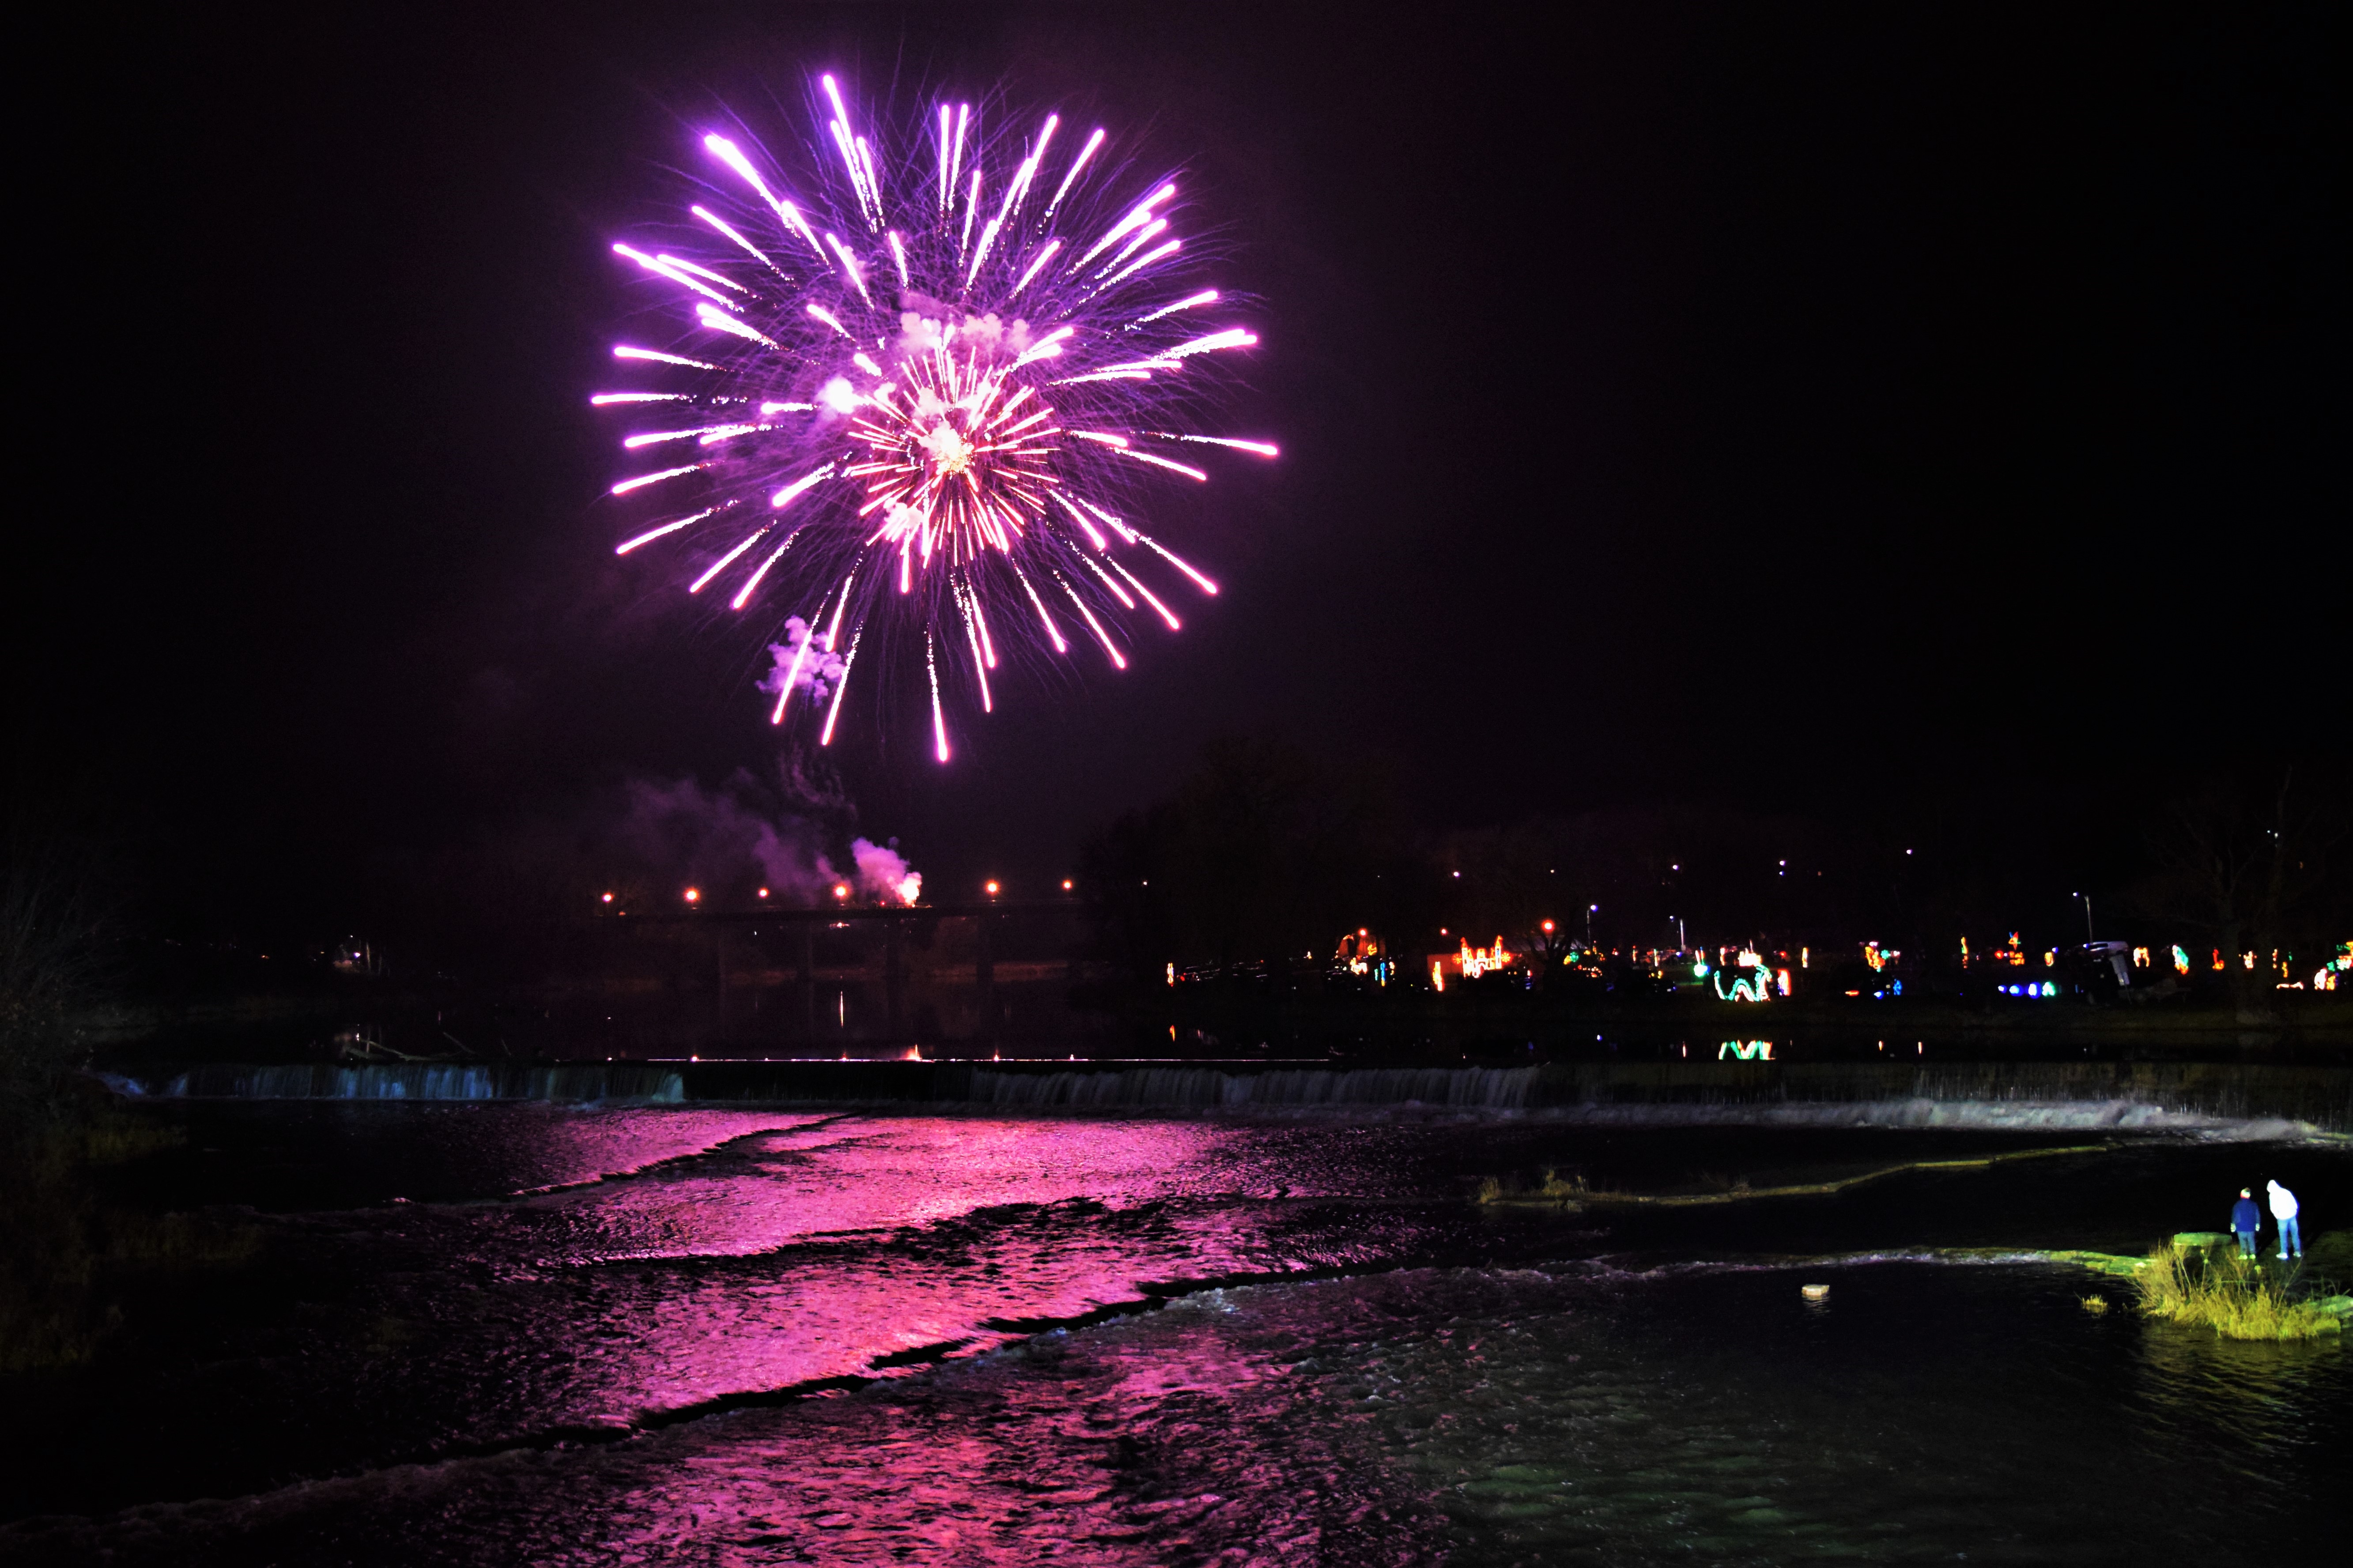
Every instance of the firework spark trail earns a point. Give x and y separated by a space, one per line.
980 625
1118 660
1151 598
755 251
976 630
642 480
653 533
840 687
1051 630
792 675
752 583
1094 142
958 379
622 351
1126 600
728 559
939 721
1263 449
1086 523
1163 552
1115 525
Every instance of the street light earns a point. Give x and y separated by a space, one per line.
2088 935
990 888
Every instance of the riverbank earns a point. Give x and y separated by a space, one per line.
2196 1279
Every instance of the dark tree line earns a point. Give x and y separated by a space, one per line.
2257 865
59 915
1266 853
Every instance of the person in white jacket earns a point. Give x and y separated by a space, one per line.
2284 1211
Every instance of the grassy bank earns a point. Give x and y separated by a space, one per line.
2237 1298
1553 1191
2197 1279
67 1255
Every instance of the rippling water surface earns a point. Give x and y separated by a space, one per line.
522 1333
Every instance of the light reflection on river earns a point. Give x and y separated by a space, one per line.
602 1330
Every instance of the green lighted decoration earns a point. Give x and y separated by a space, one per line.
1753 983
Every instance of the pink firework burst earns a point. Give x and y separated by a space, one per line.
921 399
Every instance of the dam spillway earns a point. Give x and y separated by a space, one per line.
2045 1094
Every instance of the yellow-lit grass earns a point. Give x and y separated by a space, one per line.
2227 1294
1572 1194
1551 1190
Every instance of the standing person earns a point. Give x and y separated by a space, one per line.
2284 1209
2246 1220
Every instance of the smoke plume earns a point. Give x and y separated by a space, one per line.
744 835
924 322
820 668
884 875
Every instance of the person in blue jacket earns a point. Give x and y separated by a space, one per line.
2246 1219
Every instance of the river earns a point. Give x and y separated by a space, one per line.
524 1332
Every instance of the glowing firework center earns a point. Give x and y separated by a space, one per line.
958 471
919 400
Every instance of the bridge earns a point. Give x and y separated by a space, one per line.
740 940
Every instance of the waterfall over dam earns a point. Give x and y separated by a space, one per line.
1980 1094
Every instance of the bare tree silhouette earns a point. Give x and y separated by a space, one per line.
2247 861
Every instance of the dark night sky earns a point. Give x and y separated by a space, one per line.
1816 410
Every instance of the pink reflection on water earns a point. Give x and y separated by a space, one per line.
1181 1439
824 1250
573 1147
1191 1436
869 1175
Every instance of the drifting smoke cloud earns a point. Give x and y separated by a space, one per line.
924 320
716 838
820 668
722 839
899 523
837 398
883 876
